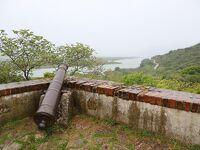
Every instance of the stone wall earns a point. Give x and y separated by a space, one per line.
20 99
172 113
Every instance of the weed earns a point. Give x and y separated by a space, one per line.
53 129
109 121
62 146
131 147
32 142
144 133
13 122
4 138
195 148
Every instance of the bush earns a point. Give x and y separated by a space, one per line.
139 78
173 84
49 74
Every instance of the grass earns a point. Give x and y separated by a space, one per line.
62 146
12 122
90 132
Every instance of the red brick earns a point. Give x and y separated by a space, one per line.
195 107
109 90
7 92
180 105
101 89
159 101
24 89
187 106
1 93
153 101
31 88
140 97
166 102
147 98
133 94
172 103
15 91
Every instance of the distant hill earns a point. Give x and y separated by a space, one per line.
181 63
179 59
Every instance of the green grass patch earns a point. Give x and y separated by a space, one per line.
62 146
31 142
109 121
13 122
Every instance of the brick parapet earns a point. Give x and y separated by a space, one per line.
24 86
166 98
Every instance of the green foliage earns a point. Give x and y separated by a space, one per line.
191 70
117 69
78 56
179 59
147 61
109 121
13 122
9 73
62 146
113 75
32 142
191 73
26 50
147 80
139 78
49 74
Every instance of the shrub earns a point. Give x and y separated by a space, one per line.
49 74
139 78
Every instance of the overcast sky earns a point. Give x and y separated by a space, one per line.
112 27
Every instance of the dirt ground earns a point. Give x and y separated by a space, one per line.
83 133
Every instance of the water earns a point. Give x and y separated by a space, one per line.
124 63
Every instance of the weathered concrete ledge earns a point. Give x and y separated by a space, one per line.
172 113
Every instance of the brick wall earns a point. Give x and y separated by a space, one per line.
166 98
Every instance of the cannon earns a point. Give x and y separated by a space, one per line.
45 115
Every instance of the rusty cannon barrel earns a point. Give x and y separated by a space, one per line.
45 115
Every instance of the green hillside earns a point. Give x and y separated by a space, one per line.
182 64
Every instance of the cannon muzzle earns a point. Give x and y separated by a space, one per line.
45 115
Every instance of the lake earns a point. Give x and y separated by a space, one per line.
124 63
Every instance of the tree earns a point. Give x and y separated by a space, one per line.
9 73
78 56
191 73
26 50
